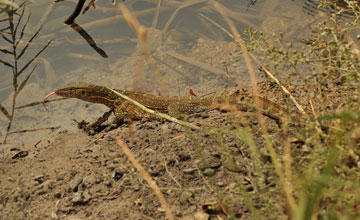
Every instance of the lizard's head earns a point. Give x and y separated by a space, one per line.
86 92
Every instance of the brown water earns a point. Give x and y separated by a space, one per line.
187 48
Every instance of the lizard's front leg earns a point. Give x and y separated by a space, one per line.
102 119
120 113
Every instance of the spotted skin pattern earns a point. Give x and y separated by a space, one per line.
173 106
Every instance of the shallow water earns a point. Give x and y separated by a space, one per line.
188 50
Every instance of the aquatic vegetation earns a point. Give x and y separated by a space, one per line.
14 35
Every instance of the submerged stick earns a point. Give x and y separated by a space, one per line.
76 12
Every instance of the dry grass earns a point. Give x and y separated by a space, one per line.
146 177
14 35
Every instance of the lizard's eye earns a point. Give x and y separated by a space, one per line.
83 92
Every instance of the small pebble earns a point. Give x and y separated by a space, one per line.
40 178
54 216
209 172
76 198
189 170
86 196
75 183
221 183
117 174
201 215
89 180
107 183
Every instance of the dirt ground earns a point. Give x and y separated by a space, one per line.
206 174
73 175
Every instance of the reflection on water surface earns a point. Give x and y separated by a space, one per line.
188 48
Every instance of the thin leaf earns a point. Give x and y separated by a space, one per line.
28 43
22 85
11 24
21 5
22 32
7 39
6 51
5 112
30 61
4 29
19 20
6 64
4 9
5 19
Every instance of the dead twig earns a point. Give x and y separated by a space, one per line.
38 103
170 174
76 12
277 165
142 33
150 111
33 130
298 106
283 88
88 39
147 177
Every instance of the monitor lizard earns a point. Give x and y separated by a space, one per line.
165 104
